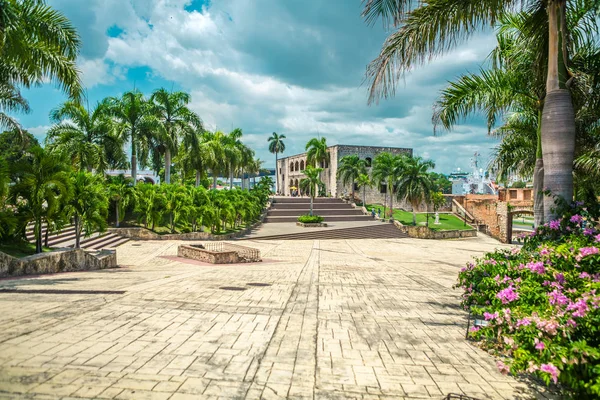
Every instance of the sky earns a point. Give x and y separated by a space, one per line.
295 67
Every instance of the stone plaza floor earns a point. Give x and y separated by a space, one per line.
341 319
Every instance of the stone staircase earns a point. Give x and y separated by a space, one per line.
66 238
374 231
288 209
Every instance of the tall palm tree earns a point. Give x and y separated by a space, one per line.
350 168
38 43
42 181
414 182
276 146
121 192
84 136
428 29
386 170
232 147
363 181
131 115
11 101
88 205
176 120
8 220
195 153
316 153
215 148
311 183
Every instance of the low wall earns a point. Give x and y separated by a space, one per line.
57 261
213 257
423 232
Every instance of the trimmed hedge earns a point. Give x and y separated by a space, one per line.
310 219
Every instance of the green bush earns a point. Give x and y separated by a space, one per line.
310 219
542 303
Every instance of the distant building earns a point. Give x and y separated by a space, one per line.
290 170
141 175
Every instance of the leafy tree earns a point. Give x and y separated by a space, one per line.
519 185
429 29
177 203
11 101
232 147
215 145
310 183
41 185
386 171
414 182
85 137
176 120
317 154
121 193
15 144
150 204
350 168
438 200
363 181
276 146
88 205
8 221
441 183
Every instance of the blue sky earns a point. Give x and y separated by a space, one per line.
295 67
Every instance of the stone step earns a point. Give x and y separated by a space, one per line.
63 232
376 231
306 206
282 200
331 218
109 241
297 213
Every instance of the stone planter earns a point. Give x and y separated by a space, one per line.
219 253
423 232
314 225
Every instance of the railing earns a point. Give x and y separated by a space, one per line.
246 253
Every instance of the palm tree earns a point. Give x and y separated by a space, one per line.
121 193
175 119
178 204
350 168
431 28
316 153
276 146
363 181
88 205
232 147
311 183
131 117
41 180
84 137
11 101
414 182
386 170
37 44
215 150
8 220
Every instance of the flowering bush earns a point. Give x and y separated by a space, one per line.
542 303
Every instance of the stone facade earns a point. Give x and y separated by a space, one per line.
290 170
423 232
57 261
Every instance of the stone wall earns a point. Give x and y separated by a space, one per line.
57 261
423 232
213 257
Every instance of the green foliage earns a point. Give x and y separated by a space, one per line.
542 304
310 219
414 182
350 168
14 145
88 204
519 185
440 183
437 200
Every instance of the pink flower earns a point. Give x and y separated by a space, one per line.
584 275
536 267
580 308
539 345
552 370
560 278
507 295
597 238
588 231
475 328
503 368
571 323
557 298
490 317
586 251
523 322
514 251
576 219
554 224
545 251
550 326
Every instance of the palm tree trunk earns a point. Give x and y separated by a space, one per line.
311 205
276 176
167 165
558 118
37 231
117 214
46 233
364 196
77 233
230 177
214 180
392 200
133 159
414 212
198 175
171 223
538 178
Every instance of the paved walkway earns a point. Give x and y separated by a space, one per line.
341 320
285 228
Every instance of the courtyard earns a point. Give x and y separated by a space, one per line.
316 319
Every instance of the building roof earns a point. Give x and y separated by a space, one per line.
350 145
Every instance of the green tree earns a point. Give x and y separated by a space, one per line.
42 182
414 182
15 144
317 154
438 200
176 120
37 44
8 220
86 138
429 29
150 204
349 169
88 204
131 115
441 183
178 204
276 146
121 193
363 181
386 171
215 149
311 183
11 101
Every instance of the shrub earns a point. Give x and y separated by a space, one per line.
542 303
310 219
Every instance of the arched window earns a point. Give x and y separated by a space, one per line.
297 166
291 167
368 162
326 164
296 183
302 165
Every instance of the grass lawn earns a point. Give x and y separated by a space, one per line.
20 249
447 221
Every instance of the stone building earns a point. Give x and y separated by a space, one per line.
290 170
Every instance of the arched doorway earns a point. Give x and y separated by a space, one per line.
302 165
291 167
518 222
